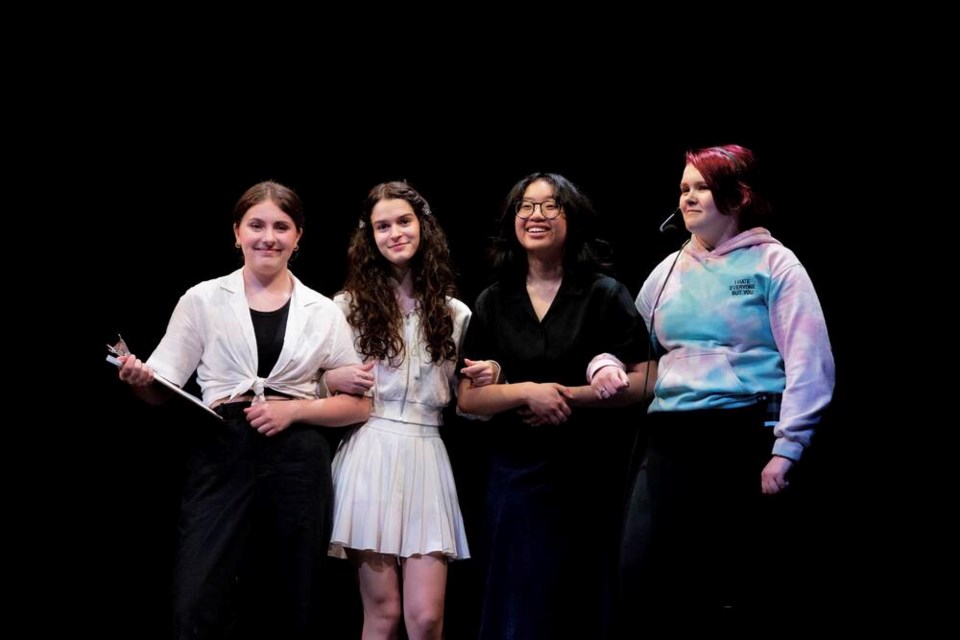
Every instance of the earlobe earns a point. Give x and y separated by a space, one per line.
746 197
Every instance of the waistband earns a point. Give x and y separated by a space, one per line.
763 411
406 411
248 398
403 428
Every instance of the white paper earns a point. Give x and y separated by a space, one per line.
169 385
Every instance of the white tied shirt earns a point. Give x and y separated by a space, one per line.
211 332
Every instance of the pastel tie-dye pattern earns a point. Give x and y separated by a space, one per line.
737 322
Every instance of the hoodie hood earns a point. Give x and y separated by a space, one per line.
748 238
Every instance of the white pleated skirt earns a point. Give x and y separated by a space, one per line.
395 494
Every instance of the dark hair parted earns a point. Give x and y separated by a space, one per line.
374 311
284 197
731 173
583 250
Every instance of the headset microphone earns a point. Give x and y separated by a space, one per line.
667 225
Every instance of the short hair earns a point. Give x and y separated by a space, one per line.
731 173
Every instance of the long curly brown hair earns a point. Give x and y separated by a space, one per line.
374 311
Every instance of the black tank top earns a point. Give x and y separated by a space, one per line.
269 327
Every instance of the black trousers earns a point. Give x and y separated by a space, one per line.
253 532
698 534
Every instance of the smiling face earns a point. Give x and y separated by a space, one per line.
267 235
396 231
536 234
700 213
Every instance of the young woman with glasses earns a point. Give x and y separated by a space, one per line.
555 490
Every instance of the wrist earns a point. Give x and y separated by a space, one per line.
527 390
298 409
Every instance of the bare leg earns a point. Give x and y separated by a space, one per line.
380 592
424 589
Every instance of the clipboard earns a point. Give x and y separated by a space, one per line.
169 385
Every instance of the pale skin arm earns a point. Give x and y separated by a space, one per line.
773 478
548 400
272 417
140 378
630 392
355 379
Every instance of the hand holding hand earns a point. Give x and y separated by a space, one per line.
530 418
548 401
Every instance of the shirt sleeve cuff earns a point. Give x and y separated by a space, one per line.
601 361
496 378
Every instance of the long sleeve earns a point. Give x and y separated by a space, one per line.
800 332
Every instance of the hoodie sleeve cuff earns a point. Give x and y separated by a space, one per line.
788 449
601 361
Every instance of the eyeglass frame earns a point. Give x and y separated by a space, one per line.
516 209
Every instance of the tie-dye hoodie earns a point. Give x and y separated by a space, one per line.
737 322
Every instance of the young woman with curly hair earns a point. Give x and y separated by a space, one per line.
396 514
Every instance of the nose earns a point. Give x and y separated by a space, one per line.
269 237
538 206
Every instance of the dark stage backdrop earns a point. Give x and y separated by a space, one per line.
162 205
